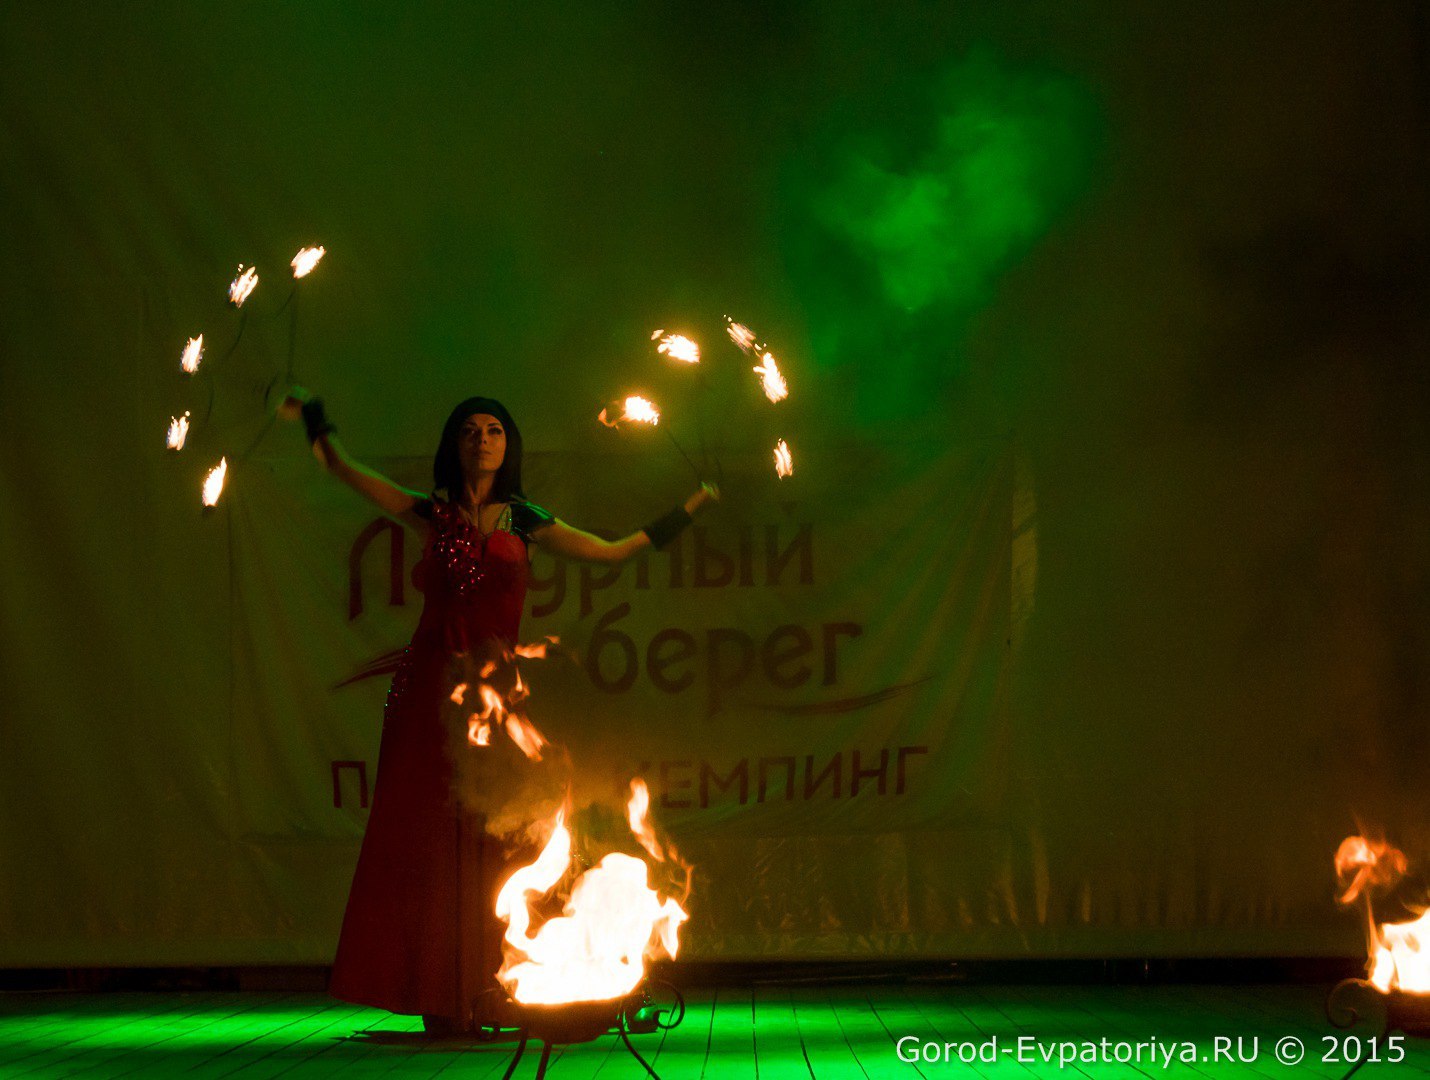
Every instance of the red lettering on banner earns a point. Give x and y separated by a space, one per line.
594 577
605 638
788 763
658 659
774 659
722 678
813 783
802 546
740 772
706 556
675 777
555 584
857 774
360 767
832 633
396 564
905 752
670 784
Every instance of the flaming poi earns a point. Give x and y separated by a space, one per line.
178 432
784 464
241 287
677 347
213 482
193 353
634 409
775 387
306 259
740 334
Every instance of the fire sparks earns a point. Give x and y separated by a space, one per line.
1363 864
635 410
213 483
596 949
677 347
775 387
1399 952
178 432
740 334
784 464
500 711
537 650
242 286
306 259
193 353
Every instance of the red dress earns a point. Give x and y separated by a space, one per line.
419 934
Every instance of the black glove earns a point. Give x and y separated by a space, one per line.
315 420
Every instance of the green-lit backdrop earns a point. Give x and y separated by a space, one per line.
1161 268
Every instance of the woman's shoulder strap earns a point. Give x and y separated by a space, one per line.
527 519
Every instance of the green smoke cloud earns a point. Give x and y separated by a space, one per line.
962 186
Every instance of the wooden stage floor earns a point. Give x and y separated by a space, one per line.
838 1032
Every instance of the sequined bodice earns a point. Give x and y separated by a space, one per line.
474 584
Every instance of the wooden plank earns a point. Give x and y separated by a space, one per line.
964 1015
684 1049
828 1053
864 1034
780 1053
731 1050
210 1009
98 1033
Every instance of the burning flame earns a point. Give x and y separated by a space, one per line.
633 410
178 432
499 711
784 464
1363 864
537 650
740 334
193 353
213 483
596 949
677 347
306 259
240 287
1399 952
776 389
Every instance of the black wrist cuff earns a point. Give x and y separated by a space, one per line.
666 528
315 420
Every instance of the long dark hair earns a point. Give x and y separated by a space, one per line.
447 464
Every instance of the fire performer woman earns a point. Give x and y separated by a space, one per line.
419 935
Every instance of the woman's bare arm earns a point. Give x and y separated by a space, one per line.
389 497
571 543
561 539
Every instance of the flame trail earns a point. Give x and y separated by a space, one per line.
775 387
178 432
241 287
677 347
784 464
213 483
740 334
306 259
634 409
193 353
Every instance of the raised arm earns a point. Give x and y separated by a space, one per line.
389 497
571 543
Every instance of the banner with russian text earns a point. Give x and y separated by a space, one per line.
813 680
